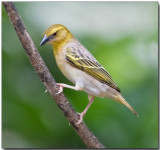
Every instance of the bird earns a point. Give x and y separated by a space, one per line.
79 66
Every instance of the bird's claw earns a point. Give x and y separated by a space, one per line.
80 118
60 88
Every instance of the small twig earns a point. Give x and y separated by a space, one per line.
40 68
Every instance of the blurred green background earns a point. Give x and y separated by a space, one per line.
123 36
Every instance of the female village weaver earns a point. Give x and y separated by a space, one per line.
81 68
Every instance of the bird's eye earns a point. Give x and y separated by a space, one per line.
55 33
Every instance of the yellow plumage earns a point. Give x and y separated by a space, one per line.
80 67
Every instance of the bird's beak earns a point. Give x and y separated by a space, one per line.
44 40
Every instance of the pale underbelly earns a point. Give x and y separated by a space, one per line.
87 82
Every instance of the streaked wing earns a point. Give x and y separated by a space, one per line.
87 63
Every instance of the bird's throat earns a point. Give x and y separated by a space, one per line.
58 45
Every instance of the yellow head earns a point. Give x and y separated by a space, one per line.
56 35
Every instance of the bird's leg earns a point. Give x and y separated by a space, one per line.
91 99
62 85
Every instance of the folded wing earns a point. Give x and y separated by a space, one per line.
87 63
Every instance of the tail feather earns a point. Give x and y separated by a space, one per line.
121 100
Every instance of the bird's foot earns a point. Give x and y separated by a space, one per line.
60 88
80 118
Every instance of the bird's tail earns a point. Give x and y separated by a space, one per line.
121 100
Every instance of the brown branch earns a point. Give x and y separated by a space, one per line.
40 68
